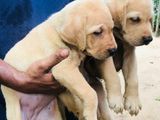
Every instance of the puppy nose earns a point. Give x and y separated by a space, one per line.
147 40
112 51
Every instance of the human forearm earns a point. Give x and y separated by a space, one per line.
9 75
37 78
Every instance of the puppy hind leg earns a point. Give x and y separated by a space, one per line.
72 103
13 109
103 112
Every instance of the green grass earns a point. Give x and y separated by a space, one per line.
157 99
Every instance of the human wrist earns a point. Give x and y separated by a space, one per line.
18 77
11 77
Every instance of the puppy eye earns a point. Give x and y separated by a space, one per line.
135 19
98 32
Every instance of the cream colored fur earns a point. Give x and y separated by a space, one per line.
122 11
72 28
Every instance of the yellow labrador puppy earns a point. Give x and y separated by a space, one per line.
85 28
132 19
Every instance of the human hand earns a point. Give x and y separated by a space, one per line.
39 79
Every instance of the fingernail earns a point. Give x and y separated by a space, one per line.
64 53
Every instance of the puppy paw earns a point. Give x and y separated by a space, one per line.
132 104
116 103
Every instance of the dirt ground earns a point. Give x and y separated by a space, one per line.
148 58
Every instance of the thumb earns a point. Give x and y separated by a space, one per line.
47 63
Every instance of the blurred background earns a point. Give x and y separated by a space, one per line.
156 17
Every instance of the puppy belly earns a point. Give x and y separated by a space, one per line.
39 107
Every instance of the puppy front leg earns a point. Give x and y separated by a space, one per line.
129 69
112 84
74 81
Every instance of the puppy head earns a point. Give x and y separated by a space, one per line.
136 24
87 25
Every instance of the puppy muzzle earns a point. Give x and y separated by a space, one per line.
112 51
147 39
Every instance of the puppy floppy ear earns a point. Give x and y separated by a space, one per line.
72 31
123 15
118 11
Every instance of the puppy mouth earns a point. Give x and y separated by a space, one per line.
142 43
98 56
139 42
146 43
101 56
136 44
